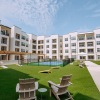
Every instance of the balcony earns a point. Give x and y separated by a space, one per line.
80 39
90 51
54 40
4 40
17 43
17 36
26 45
3 48
4 32
17 49
22 44
23 37
27 39
54 46
22 50
40 42
34 41
90 38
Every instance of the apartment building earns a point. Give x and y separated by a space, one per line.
19 42
82 45
73 45
5 33
53 47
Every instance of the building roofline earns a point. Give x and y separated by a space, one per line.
5 26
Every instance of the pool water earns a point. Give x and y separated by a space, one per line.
55 63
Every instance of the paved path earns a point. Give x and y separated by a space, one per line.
94 70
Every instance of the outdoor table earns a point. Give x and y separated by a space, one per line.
42 90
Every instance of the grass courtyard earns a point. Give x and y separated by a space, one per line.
83 87
96 62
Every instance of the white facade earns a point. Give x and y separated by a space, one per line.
73 45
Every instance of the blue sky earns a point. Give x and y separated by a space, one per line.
46 17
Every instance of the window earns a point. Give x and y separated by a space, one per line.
82 50
98 42
22 44
66 51
73 44
47 41
54 51
4 40
17 49
22 50
66 57
16 57
98 56
17 43
40 41
54 40
60 45
82 57
97 35
60 51
3 48
34 41
81 38
66 39
98 49
73 50
74 56
90 51
90 37
34 47
40 47
66 45
54 46
23 37
90 57
82 44
47 46
60 40
73 38
47 51
89 43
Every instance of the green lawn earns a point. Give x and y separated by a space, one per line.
83 87
96 62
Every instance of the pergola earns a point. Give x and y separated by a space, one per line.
19 53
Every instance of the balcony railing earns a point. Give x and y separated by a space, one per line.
4 33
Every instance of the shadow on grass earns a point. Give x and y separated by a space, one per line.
8 80
79 96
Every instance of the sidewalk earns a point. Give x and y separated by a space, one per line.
94 70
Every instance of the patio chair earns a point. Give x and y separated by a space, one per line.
57 67
67 76
46 71
60 89
27 89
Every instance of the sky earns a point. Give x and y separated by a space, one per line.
47 17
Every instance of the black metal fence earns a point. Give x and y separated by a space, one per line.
46 62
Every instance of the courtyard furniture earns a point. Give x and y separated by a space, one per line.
46 71
27 89
42 90
57 67
60 89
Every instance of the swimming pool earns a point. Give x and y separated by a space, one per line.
51 63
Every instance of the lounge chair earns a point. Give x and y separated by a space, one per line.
27 89
46 71
60 89
57 67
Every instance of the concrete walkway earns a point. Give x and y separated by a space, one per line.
94 70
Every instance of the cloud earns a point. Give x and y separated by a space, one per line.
35 13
